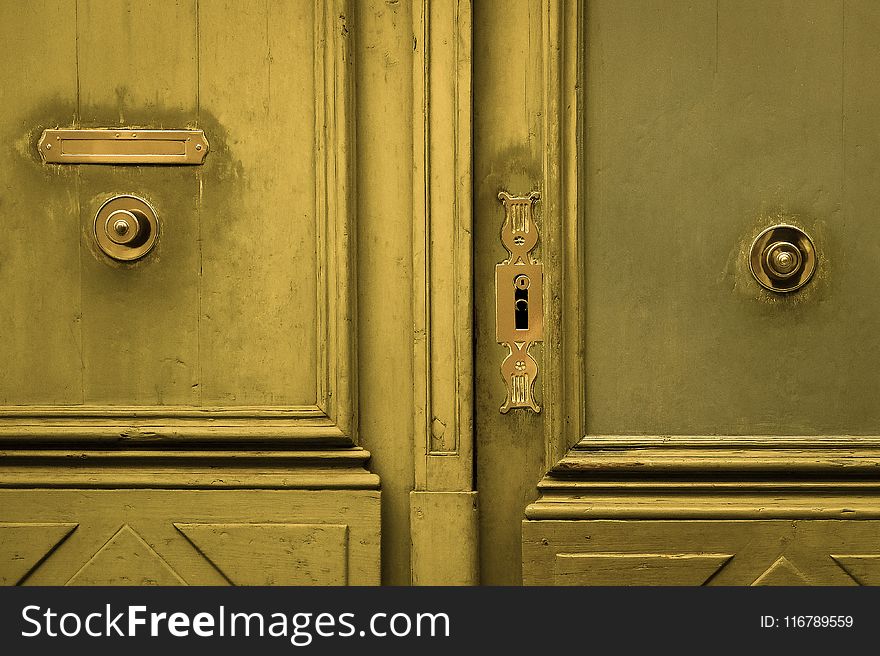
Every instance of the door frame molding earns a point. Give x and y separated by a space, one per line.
443 501
562 250
442 246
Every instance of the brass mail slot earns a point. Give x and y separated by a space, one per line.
123 146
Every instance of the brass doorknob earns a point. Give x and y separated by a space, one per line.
126 228
783 258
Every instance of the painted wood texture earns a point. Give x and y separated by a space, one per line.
384 209
443 499
273 554
194 537
246 300
41 296
706 122
230 308
750 552
695 133
445 538
258 213
24 546
140 342
442 247
636 568
238 328
508 155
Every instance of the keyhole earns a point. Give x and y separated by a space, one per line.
521 302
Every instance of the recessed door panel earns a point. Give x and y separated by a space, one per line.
705 124
233 306
238 309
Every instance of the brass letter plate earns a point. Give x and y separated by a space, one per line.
123 146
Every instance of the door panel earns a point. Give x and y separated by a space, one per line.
706 124
234 277
188 537
702 553
243 305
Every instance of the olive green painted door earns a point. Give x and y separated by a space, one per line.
199 413
696 427
189 417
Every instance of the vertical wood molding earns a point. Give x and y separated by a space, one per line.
442 501
442 255
335 141
561 244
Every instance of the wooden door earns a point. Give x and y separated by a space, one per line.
199 416
188 418
696 428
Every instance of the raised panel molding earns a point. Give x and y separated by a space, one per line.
863 568
782 572
785 508
562 243
330 469
713 477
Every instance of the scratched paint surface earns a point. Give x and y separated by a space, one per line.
707 122
224 310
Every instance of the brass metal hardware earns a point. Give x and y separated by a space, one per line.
123 146
126 228
783 258
519 300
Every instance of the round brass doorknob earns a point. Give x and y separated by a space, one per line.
126 228
783 258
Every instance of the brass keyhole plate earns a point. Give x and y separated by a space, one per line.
519 300
126 228
783 258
